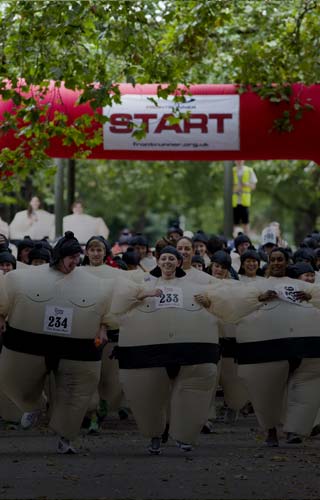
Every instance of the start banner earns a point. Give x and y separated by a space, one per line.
215 123
203 123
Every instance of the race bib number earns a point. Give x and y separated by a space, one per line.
171 297
288 293
58 320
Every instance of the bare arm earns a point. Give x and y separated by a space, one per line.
101 336
149 293
268 296
203 300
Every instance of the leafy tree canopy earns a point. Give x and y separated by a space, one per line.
82 42
93 46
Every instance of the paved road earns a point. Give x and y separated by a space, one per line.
230 464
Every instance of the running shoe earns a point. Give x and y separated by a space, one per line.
155 446
65 447
94 427
184 446
123 413
208 428
293 438
30 419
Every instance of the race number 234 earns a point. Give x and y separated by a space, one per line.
58 320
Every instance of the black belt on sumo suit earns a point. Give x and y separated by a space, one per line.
169 356
52 347
282 349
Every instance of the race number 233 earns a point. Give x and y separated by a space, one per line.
170 297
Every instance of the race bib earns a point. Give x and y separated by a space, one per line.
288 294
58 320
171 297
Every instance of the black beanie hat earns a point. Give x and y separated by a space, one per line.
27 242
200 236
199 260
305 254
67 245
131 257
175 229
45 244
4 247
8 257
299 268
250 254
138 239
223 258
171 249
39 252
242 238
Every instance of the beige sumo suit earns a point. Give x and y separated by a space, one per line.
8 410
85 226
278 351
168 350
109 388
53 319
39 226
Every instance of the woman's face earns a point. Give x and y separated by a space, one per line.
184 247
309 277
243 247
141 250
35 203
277 264
96 254
250 267
218 271
6 267
197 265
168 264
200 247
24 255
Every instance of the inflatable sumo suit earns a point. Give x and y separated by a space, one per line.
200 277
234 390
197 277
8 410
109 388
85 226
168 350
53 319
40 227
279 351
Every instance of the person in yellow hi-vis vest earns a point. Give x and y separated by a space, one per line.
244 181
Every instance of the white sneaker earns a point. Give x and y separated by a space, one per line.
65 447
184 446
30 419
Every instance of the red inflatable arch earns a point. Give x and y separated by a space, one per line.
220 124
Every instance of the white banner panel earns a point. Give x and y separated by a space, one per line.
212 123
